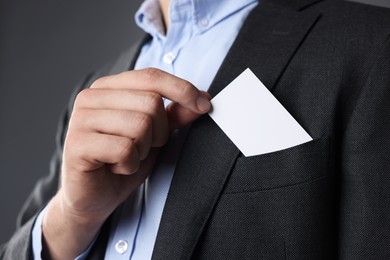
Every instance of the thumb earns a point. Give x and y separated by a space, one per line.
179 116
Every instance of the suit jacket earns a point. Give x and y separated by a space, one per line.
328 63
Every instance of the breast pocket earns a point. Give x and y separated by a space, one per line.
292 166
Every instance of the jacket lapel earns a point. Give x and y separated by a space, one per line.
268 40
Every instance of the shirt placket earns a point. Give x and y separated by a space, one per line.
178 34
122 243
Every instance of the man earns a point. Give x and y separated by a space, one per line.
327 62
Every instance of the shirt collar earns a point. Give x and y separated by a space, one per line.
149 17
205 13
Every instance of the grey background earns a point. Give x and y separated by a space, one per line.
45 48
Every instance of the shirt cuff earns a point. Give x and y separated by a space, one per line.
37 239
37 235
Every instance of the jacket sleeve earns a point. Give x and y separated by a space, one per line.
364 195
19 246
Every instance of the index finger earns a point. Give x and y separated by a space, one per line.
163 83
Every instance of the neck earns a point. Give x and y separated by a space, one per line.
164 4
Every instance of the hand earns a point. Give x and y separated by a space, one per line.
112 142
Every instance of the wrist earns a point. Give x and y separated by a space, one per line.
66 235
84 218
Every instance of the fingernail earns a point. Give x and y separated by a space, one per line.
203 103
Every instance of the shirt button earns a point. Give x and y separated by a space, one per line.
121 246
169 58
204 22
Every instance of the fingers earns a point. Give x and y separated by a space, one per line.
134 125
124 106
163 83
120 118
100 149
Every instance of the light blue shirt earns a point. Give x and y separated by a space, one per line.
199 36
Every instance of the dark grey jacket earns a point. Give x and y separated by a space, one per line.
328 63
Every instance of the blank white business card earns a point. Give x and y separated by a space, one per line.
254 119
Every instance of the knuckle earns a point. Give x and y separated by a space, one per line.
98 83
72 143
151 74
186 91
83 97
153 101
128 156
76 118
143 122
80 117
126 150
